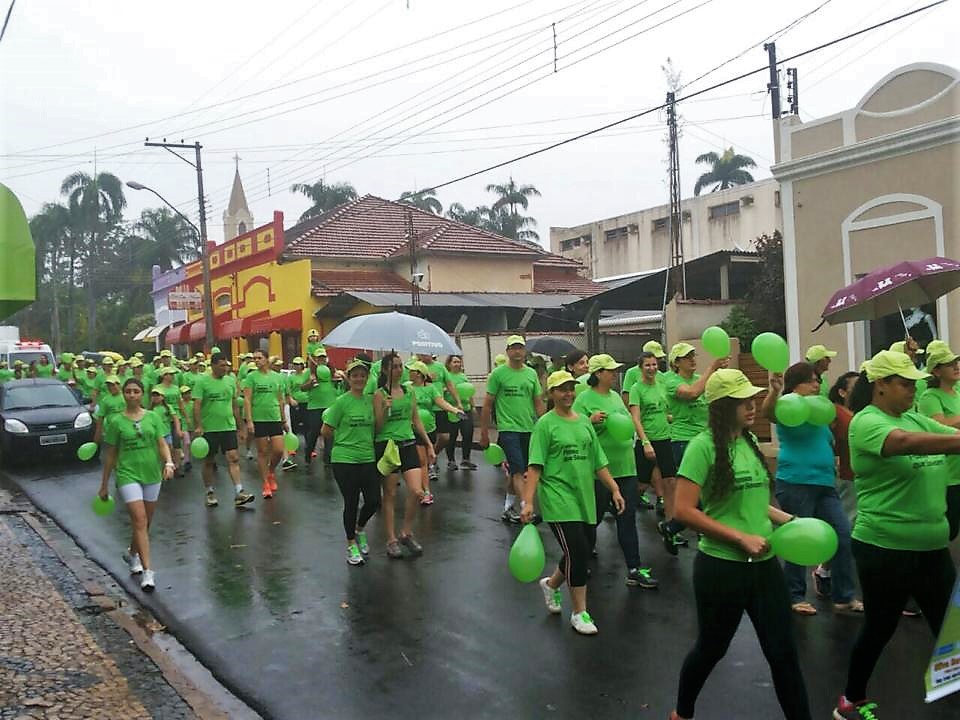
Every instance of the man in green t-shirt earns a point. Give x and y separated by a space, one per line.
264 395
820 357
216 417
321 387
513 391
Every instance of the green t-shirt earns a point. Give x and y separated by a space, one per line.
652 401
398 425
689 416
901 499
171 394
937 402
190 379
569 454
186 422
631 376
44 371
457 379
138 458
426 395
6 374
87 384
108 405
323 394
623 463
921 390
352 421
295 383
514 392
438 375
824 385
266 391
165 417
745 507
216 397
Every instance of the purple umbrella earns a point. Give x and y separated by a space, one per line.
886 291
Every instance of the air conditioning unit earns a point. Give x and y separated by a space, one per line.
746 200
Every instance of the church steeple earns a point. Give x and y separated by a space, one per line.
237 218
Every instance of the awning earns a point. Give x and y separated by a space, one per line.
197 332
292 320
142 334
238 327
18 271
156 332
184 333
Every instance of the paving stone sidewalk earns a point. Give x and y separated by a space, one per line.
61 654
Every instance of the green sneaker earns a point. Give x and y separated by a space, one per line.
353 555
362 542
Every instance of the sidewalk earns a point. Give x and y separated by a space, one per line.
69 645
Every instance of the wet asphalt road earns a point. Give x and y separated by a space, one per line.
265 599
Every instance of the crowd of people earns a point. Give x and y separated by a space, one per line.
382 425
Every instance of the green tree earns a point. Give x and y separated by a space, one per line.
764 309
423 199
478 216
726 170
166 239
504 212
324 197
51 229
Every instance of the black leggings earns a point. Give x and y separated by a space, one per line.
888 578
314 425
724 589
353 479
574 539
464 428
953 510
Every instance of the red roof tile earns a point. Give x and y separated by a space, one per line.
554 280
330 283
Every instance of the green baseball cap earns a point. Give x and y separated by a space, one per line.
815 353
298 360
112 379
901 346
516 340
320 352
654 347
184 389
940 354
729 382
420 367
560 377
680 350
500 359
355 363
887 363
602 362
66 357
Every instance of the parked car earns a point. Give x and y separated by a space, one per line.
40 416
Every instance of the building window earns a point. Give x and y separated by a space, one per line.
661 224
776 198
242 228
619 233
721 211
223 301
571 243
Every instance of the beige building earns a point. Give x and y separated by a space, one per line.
640 241
867 187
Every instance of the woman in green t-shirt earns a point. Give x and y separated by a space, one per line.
110 403
941 402
461 425
599 403
136 449
397 419
348 425
429 400
565 456
900 536
724 491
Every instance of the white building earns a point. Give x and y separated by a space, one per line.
640 241
237 218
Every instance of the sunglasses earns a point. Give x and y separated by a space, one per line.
138 428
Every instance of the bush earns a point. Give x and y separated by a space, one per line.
740 325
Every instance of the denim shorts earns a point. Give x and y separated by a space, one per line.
516 446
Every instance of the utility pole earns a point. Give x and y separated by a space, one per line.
204 254
678 271
794 91
773 87
415 276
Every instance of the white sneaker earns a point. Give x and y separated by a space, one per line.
133 561
148 585
249 454
581 622
551 597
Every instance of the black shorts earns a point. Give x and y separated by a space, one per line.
222 441
444 426
409 459
267 429
433 439
664 461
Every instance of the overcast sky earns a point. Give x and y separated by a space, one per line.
83 83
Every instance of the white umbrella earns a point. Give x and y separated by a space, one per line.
392 331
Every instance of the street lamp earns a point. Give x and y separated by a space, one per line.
204 260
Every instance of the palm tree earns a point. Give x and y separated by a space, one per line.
51 232
423 199
96 206
510 196
169 241
478 217
324 197
726 170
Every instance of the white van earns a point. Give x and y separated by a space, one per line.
12 348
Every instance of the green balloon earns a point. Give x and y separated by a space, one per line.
323 372
526 556
822 411
103 507
494 454
771 352
716 341
804 541
87 451
466 390
199 448
792 410
619 426
291 442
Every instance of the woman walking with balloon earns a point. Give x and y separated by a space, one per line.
723 491
806 478
614 426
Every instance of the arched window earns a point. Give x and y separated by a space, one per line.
223 301
241 228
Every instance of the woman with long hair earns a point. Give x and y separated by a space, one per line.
724 492
136 449
806 487
565 457
463 425
647 400
429 399
174 402
397 419
110 403
901 534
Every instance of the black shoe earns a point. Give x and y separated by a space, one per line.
822 585
668 539
661 513
642 577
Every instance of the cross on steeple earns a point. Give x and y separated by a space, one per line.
236 161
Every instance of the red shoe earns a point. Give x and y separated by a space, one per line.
272 481
267 491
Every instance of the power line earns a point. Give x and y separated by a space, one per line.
6 20
656 108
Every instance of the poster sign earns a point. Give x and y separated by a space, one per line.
943 674
184 300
